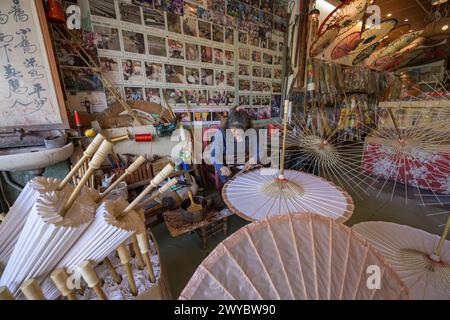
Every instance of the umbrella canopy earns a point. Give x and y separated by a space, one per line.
394 35
293 257
410 253
346 45
263 193
324 41
375 34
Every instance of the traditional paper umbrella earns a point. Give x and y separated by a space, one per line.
115 222
265 192
52 227
364 54
346 45
421 259
324 41
345 16
394 35
375 34
16 217
303 257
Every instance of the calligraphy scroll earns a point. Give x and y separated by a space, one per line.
30 91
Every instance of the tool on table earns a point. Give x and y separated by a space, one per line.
194 207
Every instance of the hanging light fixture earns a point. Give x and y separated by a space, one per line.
314 15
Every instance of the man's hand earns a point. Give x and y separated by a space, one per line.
225 171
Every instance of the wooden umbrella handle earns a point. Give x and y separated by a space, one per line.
31 290
117 278
95 163
91 278
137 252
132 168
59 278
163 189
88 153
161 176
5 294
436 256
143 246
283 149
124 257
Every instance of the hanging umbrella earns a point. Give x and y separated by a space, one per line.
115 222
375 34
345 16
364 54
324 41
16 217
54 224
421 259
302 257
346 45
394 35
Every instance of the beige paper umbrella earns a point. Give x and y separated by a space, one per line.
302 257
421 259
115 222
52 227
375 34
324 41
16 217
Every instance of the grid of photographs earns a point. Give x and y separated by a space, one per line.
214 48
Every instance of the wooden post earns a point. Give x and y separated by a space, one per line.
125 260
117 278
31 290
91 278
59 278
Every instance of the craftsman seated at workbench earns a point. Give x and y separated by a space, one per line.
234 146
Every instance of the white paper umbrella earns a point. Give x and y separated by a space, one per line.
375 34
305 257
410 252
16 217
54 224
114 223
261 193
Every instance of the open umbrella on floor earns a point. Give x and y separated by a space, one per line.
17 215
115 222
302 257
54 224
421 259
266 192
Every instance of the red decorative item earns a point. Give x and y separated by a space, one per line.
55 12
146 137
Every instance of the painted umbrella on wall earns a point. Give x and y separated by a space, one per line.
303 257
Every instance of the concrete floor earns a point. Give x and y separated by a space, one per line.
182 255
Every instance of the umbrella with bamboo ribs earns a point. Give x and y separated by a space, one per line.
266 192
16 217
421 259
300 257
346 45
375 34
54 224
115 222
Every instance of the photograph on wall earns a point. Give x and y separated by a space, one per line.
87 101
103 8
266 19
190 26
81 79
244 100
276 87
154 19
134 94
279 26
198 97
229 36
230 79
277 74
266 5
267 58
204 30
257 86
233 8
190 9
217 98
207 77
256 100
244 70
156 46
67 56
153 95
244 53
280 8
173 23
176 49
218 56
244 85
192 52
154 72
132 70
277 60
107 38
273 45
256 71
192 76
173 96
174 73
220 78
203 14
253 38
133 42
130 13
111 99
229 58
217 32
256 56
206 54
111 69
267 73
242 37
276 106
176 6
218 115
